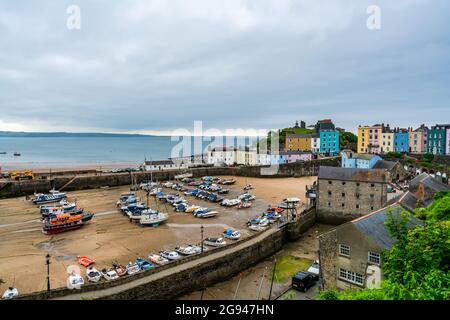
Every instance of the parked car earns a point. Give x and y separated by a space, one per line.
314 269
302 281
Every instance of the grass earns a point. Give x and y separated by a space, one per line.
287 266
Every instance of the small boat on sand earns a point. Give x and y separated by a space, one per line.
59 228
205 214
132 268
110 274
244 205
92 274
85 261
170 255
144 264
187 251
41 198
120 269
153 218
10 293
75 281
232 234
215 242
157 259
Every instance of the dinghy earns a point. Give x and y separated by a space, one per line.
188 250
42 198
170 255
205 214
244 205
110 274
120 269
144 264
75 281
10 293
191 209
132 268
85 261
92 274
153 218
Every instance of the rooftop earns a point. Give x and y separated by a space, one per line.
385 165
429 182
352 174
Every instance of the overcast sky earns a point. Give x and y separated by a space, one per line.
153 66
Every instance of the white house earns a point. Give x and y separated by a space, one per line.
246 156
263 159
315 143
161 165
222 155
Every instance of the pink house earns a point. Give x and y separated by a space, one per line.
375 133
447 142
294 157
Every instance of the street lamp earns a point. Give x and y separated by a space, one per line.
47 260
201 243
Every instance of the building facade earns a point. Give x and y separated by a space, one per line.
363 139
351 159
344 194
447 139
401 143
222 156
298 142
437 137
329 142
417 140
375 133
315 143
161 165
387 142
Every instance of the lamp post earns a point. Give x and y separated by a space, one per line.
201 235
47 260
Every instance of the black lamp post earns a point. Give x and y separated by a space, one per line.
201 243
47 260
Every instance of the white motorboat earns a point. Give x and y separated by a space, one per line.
132 268
154 191
110 274
191 209
198 248
206 214
92 274
257 227
153 218
170 255
75 281
230 202
188 250
10 293
167 184
157 259
232 234
215 242
183 175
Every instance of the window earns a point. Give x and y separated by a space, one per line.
343 183
374 257
329 204
357 206
329 193
329 182
343 195
372 185
351 276
371 208
343 205
372 196
344 250
357 184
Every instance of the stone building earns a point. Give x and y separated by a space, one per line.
350 253
344 194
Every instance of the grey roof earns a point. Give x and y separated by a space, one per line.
301 135
158 162
429 182
352 174
364 156
373 225
384 164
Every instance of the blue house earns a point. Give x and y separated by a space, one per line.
351 159
329 142
278 158
401 140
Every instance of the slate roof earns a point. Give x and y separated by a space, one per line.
373 225
353 174
301 135
429 182
384 164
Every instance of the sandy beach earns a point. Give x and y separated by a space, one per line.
110 236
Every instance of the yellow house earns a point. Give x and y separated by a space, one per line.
387 142
363 139
298 142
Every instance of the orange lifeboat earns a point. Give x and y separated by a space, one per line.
65 218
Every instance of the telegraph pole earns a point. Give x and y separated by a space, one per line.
201 235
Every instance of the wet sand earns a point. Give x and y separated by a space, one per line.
110 236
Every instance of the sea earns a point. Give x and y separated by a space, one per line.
72 152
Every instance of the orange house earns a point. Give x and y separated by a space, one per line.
298 142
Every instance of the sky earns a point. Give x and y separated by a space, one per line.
153 66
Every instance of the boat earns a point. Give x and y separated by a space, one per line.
144 264
75 281
127 198
110 274
59 228
2 152
215 242
85 261
170 255
205 214
157 259
132 268
153 218
58 219
191 209
17 154
230 202
232 234
42 198
228 181
183 176
188 250
198 248
167 184
154 191
92 274
257 227
244 205
120 269
10 293
248 187
246 197
223 191
180 207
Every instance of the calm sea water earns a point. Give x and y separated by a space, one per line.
69 151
